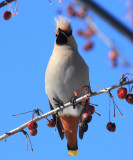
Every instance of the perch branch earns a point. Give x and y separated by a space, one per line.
20 128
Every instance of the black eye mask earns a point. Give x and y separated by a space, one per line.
63 32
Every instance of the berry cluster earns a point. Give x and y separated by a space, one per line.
86 118
122 92
32 126
7 14
81 13
88 110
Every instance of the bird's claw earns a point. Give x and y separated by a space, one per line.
58 103
73 101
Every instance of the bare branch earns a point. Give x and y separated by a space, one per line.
2 4
20 128
108 41
100 11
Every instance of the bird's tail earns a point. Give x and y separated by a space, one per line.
74 150
70 125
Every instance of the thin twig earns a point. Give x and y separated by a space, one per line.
20 128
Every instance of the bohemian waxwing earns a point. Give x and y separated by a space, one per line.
66 72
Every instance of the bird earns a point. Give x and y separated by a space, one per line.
66 72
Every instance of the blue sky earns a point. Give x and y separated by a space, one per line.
26 45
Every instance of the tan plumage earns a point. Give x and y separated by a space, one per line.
66 72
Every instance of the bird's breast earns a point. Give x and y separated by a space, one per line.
66 72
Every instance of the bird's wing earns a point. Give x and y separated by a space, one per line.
59 123
81 133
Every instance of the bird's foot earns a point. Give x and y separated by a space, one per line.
58 103
73 100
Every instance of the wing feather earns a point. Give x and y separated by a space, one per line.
59 123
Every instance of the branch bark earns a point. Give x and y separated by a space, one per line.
108 41
20 128
109 18
4 3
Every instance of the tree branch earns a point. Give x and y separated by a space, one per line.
2 4
20 128
109 18
108 41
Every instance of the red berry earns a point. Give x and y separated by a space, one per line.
86 117
122 93
32 125
90 109
51 123
129 98
81 12
70 10
33 132
80 32
111 127
90 31
88 46
7 15
113 54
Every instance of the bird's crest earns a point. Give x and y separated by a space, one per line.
63 23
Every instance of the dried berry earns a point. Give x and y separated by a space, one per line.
80 33
88 46
86 117
81 13
90 31
129 98
32 125
122 93
33 132
90 109
113 54
70 10
7 15
111 127
51 123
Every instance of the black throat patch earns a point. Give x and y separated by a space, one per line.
62 37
